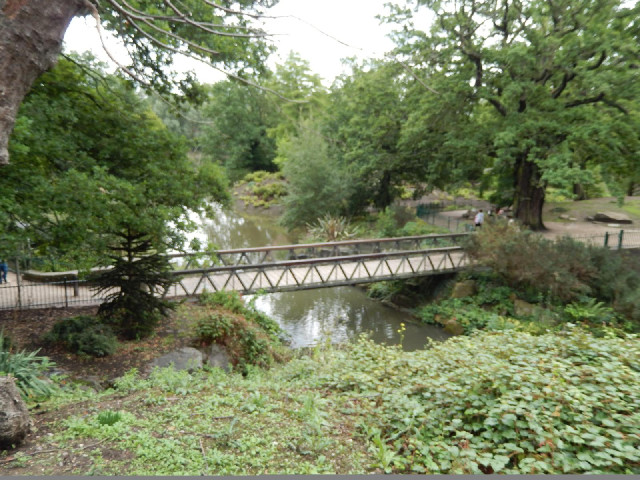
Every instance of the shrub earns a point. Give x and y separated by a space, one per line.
249 336
213 327
270 191
331 228
500 402
563 271
27 369
391 221
84 334
109 417
5 341
228 299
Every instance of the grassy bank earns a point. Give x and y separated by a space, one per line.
504 402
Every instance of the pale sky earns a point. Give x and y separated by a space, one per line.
351 22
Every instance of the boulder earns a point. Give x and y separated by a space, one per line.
452 326
612 217
185 358
462 289
524 309
217 356
15 422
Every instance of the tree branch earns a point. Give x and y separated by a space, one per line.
566 78
585 101
600 61
498 106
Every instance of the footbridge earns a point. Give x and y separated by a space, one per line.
268 269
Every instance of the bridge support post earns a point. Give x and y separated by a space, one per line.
620 235
606 239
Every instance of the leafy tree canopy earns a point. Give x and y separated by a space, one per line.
537 90
237 118
90 159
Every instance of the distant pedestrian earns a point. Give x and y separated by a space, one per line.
479 220
4 269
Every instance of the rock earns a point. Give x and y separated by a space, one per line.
524 309
92 382
185 358
612 217
452 326
462 289
15 422
217 356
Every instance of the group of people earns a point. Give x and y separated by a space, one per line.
4 269
478 220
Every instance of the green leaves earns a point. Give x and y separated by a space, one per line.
541 93
89 158
499 402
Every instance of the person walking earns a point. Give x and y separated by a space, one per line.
4 269
479 220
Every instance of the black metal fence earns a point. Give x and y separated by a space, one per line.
67 293
615 240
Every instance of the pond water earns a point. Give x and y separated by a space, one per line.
310 317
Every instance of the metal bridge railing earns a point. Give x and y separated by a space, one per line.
261 255
320 272
247 278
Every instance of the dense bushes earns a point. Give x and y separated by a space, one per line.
560 272
84 334
499 402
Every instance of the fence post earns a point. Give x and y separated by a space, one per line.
620 239
66 298
606 239
19 284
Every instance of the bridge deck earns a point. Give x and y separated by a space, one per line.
269 277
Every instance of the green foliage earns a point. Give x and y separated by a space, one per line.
6 343
563 271
318 183
235 134
89 157
464 311
27 369
364 121
250 337
393 219
499 402
384 290
228 299
271 191
213 327
84 334
134 285
506 117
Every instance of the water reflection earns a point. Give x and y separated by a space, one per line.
231 230
342 314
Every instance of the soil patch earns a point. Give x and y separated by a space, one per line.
26 329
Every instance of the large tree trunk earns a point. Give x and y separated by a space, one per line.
31 33
529 195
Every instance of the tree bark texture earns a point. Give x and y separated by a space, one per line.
529 195
31 33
